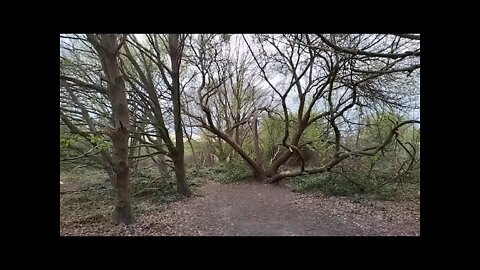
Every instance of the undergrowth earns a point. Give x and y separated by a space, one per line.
352 185
86 189
230 172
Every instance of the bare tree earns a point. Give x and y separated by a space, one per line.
225 86
108 47
325 77
237 101
84 105
146 87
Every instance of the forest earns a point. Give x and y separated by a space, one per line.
239 134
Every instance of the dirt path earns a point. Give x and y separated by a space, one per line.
252 209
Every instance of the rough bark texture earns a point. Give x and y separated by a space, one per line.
258 172
182 185
107 49
284 156
179 164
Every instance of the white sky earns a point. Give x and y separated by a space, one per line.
292 100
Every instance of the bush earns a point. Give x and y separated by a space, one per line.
328 183
149 184
233 171
353 184
92 191
83 176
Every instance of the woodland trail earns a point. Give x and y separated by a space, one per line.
254 209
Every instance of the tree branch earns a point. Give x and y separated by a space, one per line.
372 54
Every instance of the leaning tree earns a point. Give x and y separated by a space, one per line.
314 77
157 83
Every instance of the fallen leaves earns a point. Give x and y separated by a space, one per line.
236 209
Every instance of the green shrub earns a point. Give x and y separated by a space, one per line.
328 183
149 184
233 171
307 184
356 185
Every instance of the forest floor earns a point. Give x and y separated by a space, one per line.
249 209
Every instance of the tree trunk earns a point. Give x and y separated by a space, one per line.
107 49
182 185
123 211
285 155
179 155
258 173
